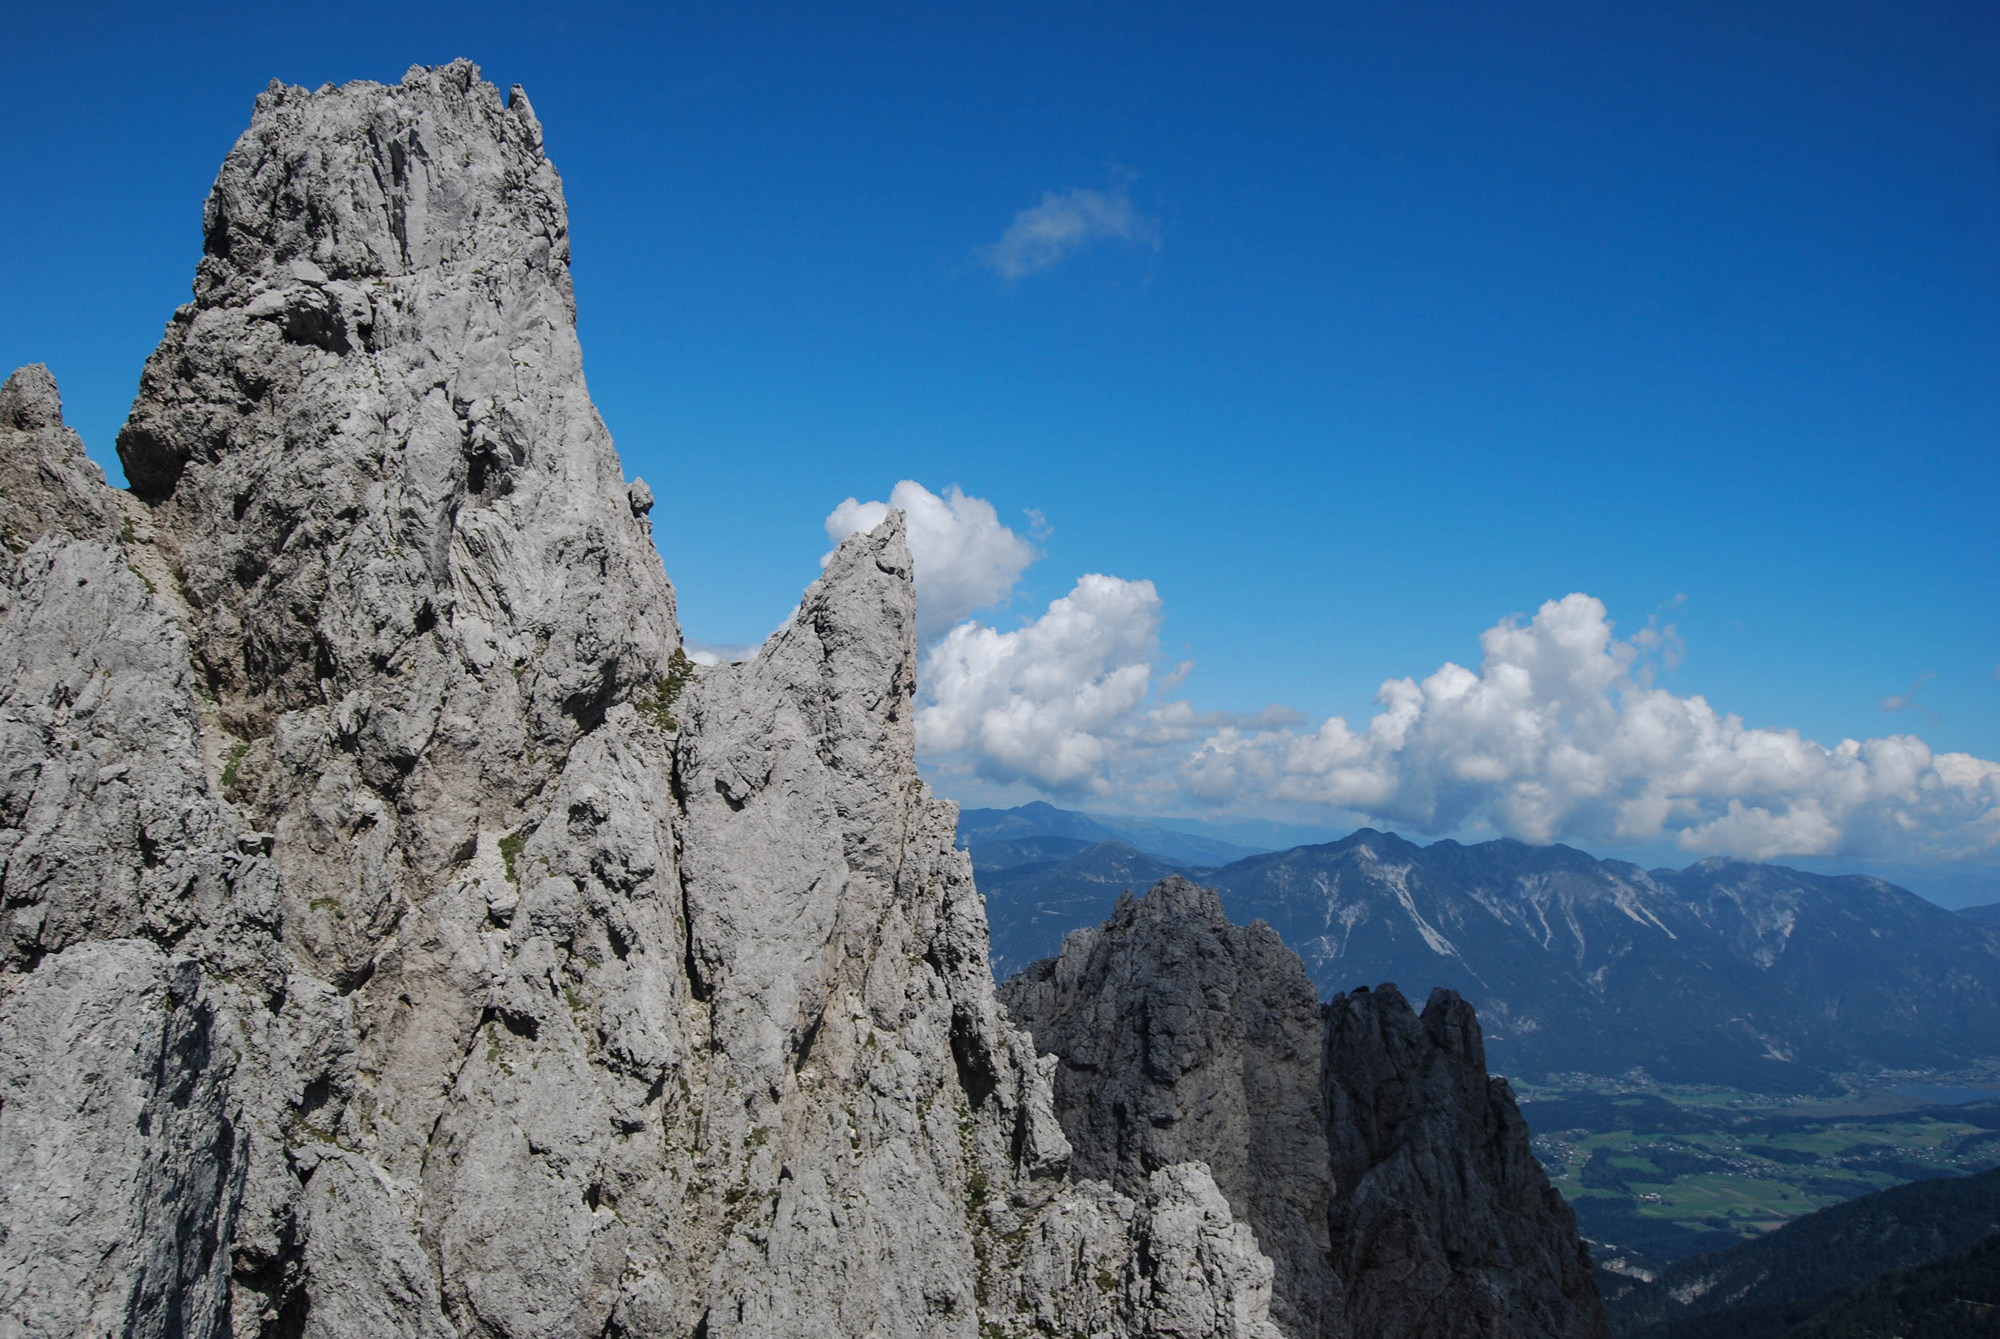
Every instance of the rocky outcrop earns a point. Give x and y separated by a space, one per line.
415 574
1185 1038
1389 1178
445 956
1444 1223
47 484
136 925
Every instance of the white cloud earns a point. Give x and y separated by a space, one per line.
1065 222
1052 702
966 560
717 653
1559 735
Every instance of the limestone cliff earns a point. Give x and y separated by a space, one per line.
1184 1038
400 938
1388 1177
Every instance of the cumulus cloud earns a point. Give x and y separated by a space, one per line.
1064 223
966 559
1073 702
1052 702
1560 734
1557 737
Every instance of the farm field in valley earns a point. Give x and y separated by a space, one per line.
1656 1173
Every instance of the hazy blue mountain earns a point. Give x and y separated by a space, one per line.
1031 907
992 857
980 826
1952 885
1251 834
1029 820
1986 915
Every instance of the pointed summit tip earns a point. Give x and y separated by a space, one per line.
47 484
524 110
29 401
887 546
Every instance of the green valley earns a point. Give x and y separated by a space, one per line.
1656 1173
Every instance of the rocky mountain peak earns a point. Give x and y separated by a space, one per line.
1443 1221
518 979
1181 1038
402 938
29 401
1387 1176
414 573
47 484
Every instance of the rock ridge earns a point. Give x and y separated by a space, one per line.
1444 1222
399 937
1389 1178
447 955
1184 1038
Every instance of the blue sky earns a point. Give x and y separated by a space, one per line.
1425 314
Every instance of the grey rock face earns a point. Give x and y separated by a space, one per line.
109 830
138 926
416 573
47 484
456 965
1444 1224
1185 1038
116 1149
900 1163
1390 1180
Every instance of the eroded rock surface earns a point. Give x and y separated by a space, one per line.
415 573
117 1154
1388 1177
1444 1223
135 924
1185 1038
448 958
47 484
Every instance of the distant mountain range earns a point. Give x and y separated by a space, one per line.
1825 1266
1030 907
977 827
1751 976
1987 915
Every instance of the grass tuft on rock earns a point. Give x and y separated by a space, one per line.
658 706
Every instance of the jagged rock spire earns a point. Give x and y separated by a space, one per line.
1387 1175
47 484
1185 1038
519 983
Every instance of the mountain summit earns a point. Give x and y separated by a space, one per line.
400 937
1388 1177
